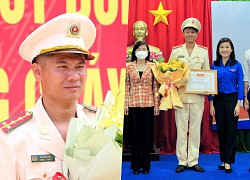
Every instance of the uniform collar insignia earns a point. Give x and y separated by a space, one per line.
43 129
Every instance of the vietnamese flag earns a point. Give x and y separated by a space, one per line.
167 36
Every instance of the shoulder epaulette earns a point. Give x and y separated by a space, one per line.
13 122
204 47
91 108
177 46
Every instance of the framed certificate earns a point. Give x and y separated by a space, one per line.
202 80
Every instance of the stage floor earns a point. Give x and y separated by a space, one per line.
165 169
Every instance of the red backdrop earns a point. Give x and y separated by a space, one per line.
165 37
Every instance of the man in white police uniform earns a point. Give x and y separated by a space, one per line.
188 119
32 142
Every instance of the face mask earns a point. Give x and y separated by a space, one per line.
141 54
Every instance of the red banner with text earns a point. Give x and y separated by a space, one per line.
18 18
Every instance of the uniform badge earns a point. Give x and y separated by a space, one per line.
15 121
33 158
42 158
180 56
74 30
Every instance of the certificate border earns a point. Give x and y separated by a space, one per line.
214 72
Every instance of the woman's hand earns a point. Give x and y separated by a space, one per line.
212 110
237 109
246 104
126 112
156 112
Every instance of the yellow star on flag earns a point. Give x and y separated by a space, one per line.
160 14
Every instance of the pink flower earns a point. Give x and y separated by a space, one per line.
128 56
156 57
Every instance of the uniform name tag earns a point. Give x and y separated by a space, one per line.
42 158
181 56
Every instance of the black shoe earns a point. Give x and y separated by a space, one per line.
180 168
197 168
145 171
221 167
228 170
136 172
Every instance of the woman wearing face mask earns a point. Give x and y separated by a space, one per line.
141 104
225 106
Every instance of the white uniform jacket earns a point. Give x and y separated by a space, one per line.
33 150
198 60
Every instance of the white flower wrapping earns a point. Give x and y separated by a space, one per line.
91 153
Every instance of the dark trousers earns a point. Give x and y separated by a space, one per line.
141 133
224 105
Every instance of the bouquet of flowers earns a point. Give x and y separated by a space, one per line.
112 118
170 75
93 152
